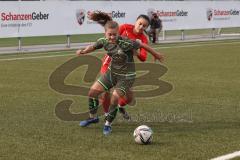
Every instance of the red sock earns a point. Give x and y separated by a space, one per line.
122 101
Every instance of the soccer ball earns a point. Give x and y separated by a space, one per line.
143 134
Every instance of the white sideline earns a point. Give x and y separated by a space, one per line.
62 55
35 57
228 156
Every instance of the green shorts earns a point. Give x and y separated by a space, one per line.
121 82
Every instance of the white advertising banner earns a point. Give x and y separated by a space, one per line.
42 18
197 15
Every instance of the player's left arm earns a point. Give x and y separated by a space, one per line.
158 56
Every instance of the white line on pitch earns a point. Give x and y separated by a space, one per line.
35 57
198 45
228 156
62 55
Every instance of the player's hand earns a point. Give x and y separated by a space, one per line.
80 52
159 57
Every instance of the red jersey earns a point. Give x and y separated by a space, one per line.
126 30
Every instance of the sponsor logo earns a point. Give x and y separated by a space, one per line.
168 16
80 15
209 14
218 14
177 13
231 12
114 14
162 13
10 16
118 14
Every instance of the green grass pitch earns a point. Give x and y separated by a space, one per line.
198 119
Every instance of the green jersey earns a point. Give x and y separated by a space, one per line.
121 53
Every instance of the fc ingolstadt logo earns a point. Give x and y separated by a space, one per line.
80 15
209 14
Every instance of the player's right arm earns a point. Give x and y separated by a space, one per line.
142 56
97 45
86 50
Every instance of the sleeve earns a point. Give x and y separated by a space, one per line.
135 44
143 53
99 44
121 29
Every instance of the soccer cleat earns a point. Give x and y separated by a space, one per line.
89 121
107 130
126 116
124 113
105 114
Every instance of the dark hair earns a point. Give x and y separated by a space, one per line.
103 19
144 17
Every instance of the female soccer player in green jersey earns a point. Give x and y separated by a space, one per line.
121 73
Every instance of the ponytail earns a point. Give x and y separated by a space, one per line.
100 17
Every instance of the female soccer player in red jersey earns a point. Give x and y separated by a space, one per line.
134 32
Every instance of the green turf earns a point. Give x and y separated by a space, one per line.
198 119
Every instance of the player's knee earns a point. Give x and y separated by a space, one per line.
93 93
118 93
